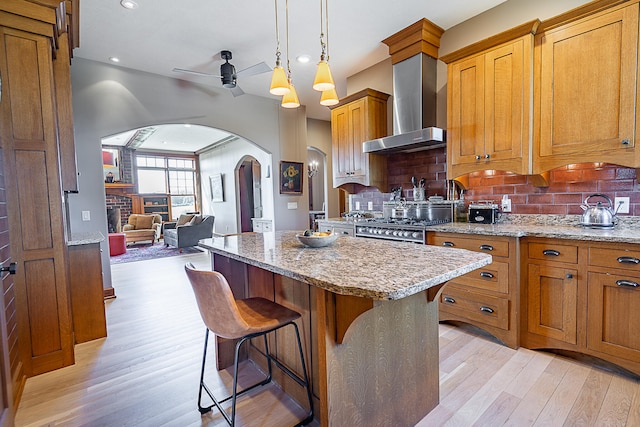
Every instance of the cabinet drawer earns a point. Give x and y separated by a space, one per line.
615 258
554 252
484 309
497 248
493 277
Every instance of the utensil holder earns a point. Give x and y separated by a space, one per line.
418 194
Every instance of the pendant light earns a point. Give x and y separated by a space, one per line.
279 81
329 98
289 100
323 80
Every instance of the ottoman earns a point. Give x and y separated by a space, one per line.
117 244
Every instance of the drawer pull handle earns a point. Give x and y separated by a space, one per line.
628 260
448 244
550 252
486 309
449 300
486 274
486 247
628 283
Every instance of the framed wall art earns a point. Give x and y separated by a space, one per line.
290 177
217 190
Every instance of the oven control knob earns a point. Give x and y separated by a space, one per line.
395 233
415 235
388 232
406 234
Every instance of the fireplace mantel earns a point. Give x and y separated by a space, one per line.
119 188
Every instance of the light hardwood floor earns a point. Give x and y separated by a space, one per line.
145 373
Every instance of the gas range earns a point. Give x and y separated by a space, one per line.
407 230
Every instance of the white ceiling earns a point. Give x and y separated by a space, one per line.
161 35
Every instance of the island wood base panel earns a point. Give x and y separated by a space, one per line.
385 372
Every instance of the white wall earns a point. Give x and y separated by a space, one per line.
109 99
225 160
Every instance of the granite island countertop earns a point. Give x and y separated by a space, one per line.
85 238
376 269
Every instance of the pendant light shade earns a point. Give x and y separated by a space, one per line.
329 97
279 82
290 100
324 79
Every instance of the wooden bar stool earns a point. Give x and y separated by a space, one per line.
241 319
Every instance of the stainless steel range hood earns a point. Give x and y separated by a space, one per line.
414 109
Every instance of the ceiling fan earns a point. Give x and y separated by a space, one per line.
228 74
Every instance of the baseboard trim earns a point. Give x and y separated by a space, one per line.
109 293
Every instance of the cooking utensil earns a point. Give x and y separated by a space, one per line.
422 181
598 215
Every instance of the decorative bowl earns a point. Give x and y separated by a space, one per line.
317 239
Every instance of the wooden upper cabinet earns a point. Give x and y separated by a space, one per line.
489 104
587 89
358 118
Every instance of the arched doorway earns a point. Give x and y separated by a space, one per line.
249 192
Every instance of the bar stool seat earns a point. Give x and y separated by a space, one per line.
242 320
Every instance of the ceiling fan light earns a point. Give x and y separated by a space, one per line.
329 97
279 82
290 100
324 79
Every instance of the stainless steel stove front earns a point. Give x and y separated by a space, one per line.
387 231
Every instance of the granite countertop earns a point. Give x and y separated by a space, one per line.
370 268
85 238
550 226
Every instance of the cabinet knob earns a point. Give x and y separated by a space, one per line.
569 276
477 157
486 156
625 142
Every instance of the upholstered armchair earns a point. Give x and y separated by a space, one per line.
143 227
188 230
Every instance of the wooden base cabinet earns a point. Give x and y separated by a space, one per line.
583 297
488 297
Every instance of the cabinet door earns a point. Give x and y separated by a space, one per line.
348 132
504 112
552 302
466 111
35 212
614 314
587 90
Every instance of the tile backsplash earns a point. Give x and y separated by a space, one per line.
568 185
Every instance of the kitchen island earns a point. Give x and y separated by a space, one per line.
369 317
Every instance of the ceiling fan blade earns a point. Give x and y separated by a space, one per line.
197 73
260 68
236 91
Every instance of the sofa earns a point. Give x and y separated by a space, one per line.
188 230
141 227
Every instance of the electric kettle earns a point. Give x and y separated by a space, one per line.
597 215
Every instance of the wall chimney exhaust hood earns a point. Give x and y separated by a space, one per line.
414 94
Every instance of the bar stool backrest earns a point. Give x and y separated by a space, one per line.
216 303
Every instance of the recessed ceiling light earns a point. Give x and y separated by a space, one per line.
303 59
129 4
114 59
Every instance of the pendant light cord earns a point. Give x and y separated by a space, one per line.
277 35
287 24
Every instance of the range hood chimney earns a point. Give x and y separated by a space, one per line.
413 54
